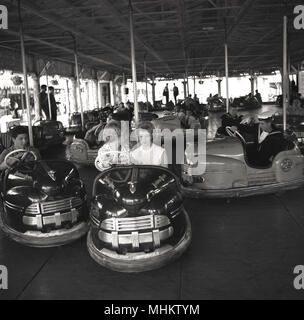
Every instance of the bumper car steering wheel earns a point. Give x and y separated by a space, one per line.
112 158
26 161
235 134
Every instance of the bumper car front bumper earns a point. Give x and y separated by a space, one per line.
135 262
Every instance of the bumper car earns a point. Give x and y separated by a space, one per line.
138 221
48 133
217 104
43 202
84 152
245 103
91 118
226 171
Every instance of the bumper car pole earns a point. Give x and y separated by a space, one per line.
78 81
226 68
285 74
48 95
27 96
146 79
136 111
227 76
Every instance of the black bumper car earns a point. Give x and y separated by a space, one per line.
246 103
217 104
43 202
91 119
48 133
138 221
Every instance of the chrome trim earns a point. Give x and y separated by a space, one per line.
57 219
53 206
135 239
135 224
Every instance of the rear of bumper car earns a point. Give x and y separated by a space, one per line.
48 224
139 244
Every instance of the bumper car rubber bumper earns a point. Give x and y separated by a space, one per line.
196 193
38 239
140 262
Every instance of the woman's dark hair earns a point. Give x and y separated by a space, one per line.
148 126
16 131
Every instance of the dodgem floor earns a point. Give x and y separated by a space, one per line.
246 249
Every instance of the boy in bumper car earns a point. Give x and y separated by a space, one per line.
20 139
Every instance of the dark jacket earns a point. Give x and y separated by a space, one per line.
270 148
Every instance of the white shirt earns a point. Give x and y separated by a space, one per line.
154 156
263 136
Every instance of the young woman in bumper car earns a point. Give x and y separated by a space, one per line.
43 202
138 222
234 168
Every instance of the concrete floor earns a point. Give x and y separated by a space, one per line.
246 249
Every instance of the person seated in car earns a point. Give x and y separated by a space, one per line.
190 120
258 96
230 119
271 142
146 152
20 140
91 136
113 151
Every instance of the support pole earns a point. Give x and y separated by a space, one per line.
285 74
74 105
153 89
146 79
219 87
68 103
194 87
48 95
134 75
22 101
27 94
123 89
78 82
252 84
227 76
185 87
36 88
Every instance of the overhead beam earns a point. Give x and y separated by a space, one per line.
55 20
241 14
116 15
64 49
212 3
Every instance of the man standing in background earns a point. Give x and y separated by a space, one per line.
43 98
175 93
166 94
53 104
